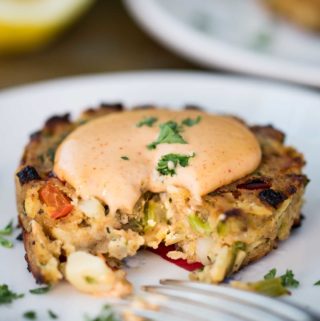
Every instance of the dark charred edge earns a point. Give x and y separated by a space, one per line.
299 161
193 107
298 221
114 106
110 107
55 120
19 237
255 183
28 174
51 174
144 107
269 131
234 212
290 190
35 136
220 191
31 266
62 258
272 197
301 179
236 194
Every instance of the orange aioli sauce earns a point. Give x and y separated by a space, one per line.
91 158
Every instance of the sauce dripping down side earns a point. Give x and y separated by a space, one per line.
108 157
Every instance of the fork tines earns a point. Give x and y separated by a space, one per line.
186 300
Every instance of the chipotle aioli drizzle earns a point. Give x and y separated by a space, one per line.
92 160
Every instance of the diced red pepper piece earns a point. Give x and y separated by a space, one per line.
59 204
162 251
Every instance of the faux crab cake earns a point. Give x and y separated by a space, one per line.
94 191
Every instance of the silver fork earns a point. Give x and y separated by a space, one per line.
194 301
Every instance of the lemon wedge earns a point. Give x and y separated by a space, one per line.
26 25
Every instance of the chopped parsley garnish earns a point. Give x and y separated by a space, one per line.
191 122
41 290
149 121
8 229
105 315
168 163
317 283
169 134
31 315
6 243
125 157
7 296
288 280
52 315
271 274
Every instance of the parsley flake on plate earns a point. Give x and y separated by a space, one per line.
52 315
149 121
168 163
7 296
191 122
8 229
5 243
106 314
271 274
31 315
317 283
125 158
169 134
288 280
41 290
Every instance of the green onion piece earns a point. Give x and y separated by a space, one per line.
199 225
271 287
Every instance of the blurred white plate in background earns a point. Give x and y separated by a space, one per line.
238 35
295 111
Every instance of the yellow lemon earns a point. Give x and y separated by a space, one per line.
26 25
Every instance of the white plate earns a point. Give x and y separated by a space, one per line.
296 111
237 35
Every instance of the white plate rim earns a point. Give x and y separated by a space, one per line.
233 79
193 45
